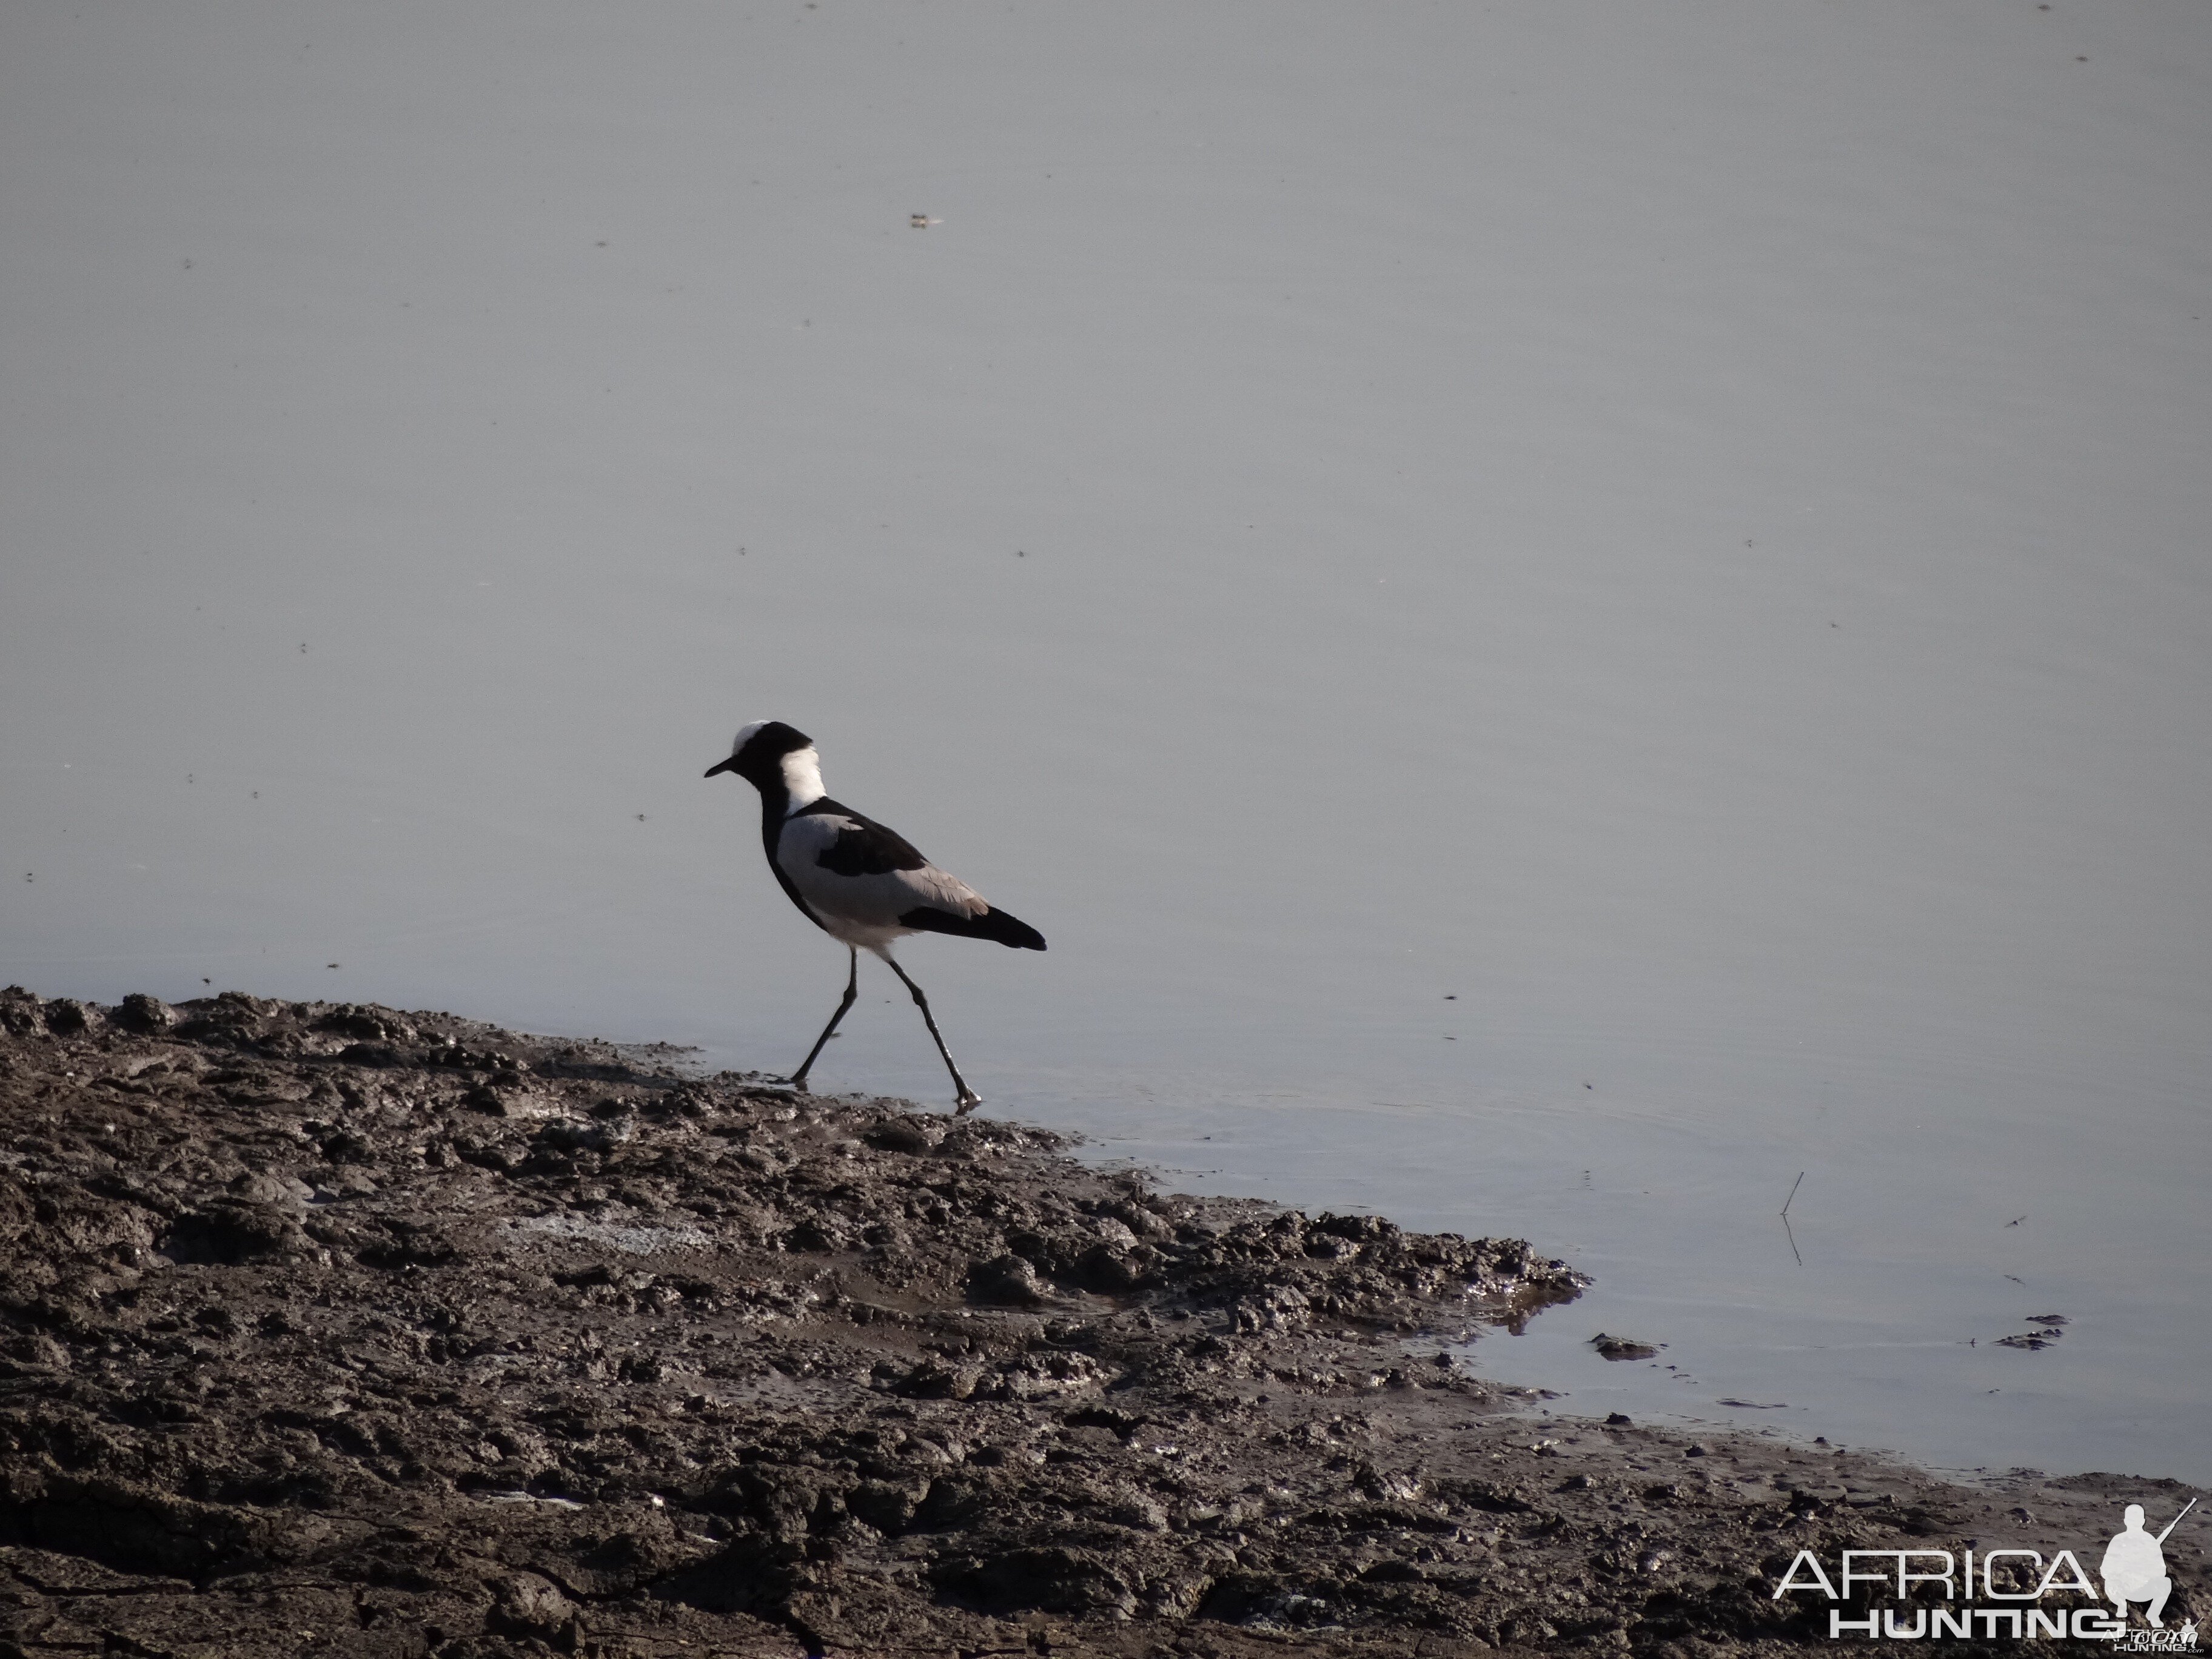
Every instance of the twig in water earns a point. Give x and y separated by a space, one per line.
1789 1231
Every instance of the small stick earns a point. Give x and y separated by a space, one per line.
1792 1199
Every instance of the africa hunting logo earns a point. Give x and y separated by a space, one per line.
2133 1574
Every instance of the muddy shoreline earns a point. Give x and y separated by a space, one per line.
333 1329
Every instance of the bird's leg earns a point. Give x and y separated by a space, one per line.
852 991
968 1098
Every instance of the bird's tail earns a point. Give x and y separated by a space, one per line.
1009 931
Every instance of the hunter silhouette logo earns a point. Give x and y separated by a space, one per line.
2134 1568
1980 1600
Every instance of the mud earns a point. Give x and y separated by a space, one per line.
328 1329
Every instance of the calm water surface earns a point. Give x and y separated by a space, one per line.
1562 613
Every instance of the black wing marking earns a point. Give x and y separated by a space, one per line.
1010 931
865 848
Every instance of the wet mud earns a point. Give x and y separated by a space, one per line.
330 1330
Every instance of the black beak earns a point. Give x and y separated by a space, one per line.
724 766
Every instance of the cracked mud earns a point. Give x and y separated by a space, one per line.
329 1329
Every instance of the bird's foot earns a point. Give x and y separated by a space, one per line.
798 1084
969 1100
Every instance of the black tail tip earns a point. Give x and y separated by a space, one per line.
1010 931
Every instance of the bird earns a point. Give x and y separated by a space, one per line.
863 884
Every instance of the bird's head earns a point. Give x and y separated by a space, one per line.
768 754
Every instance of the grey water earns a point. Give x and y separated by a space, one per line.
1562 612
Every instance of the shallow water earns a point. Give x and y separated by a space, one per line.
1561 612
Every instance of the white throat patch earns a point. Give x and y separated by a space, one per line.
802 777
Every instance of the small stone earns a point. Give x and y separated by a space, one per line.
145 1014
1621 1347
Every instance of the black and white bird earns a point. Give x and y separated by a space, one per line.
856 880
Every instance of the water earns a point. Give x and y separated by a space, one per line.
1561 612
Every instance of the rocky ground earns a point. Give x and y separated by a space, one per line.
328 1329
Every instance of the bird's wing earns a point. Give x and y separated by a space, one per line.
853 868
861 847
